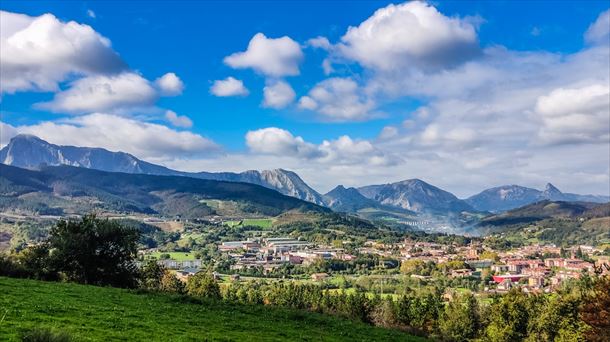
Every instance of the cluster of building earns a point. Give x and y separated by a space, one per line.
271 253
524 267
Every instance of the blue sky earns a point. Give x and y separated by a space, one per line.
192 38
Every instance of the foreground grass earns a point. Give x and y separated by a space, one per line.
91 313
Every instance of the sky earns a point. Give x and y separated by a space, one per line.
464 95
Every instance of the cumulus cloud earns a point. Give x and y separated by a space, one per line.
142 139
339 99
344 150
576 114
278 95
37 53
599 31
103 93
178 120
230 86
275 57
277 141
319 43
169 84
412 34
112 93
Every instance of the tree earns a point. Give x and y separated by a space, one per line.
35 262
556 319
461 319
203 285
95 251
595 311
508 319
170 283
151 274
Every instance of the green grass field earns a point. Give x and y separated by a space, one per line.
90 313
180 256
261 223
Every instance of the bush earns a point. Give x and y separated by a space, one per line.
170 283
151 274
45 335
203 285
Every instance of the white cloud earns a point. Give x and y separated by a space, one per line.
142 139
319 43
412 34
178 120
91 14
278 95
103 93
599 31
306 102
576 114
388 132
275 57
339 99
36 53
277 141
169 84
230 86
344 150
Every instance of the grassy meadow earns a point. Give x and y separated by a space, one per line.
89 313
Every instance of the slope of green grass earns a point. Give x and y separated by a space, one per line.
91 313
180 256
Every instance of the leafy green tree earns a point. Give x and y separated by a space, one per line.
460 321
509 317
151 274
203 285
170 283
556 319
95 251
35 262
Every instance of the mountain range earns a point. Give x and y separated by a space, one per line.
509 197
66 190
408 196
31 152
415 195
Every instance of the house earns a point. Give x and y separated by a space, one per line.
461 273
499 268
186 273
235 277
536 281
319 276
505 285
511 277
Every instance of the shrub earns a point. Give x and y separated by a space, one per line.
203 285
45 335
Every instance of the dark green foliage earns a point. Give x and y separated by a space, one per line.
151 274
95 251
461 319
45 335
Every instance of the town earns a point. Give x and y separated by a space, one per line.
533 268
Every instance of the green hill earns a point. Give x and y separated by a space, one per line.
562 223
89 313
72 190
